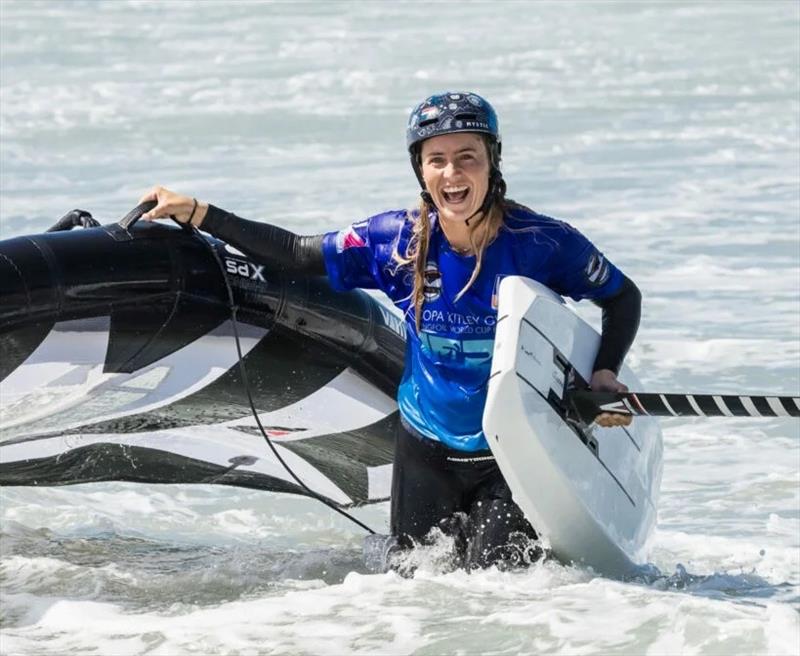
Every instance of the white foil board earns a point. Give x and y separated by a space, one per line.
591 495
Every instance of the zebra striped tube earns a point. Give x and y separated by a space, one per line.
587 404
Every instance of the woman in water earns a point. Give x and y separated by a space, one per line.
440 264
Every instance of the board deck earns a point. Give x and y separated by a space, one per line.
590 492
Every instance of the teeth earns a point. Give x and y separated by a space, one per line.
455 190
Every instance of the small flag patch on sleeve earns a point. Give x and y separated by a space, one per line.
349 238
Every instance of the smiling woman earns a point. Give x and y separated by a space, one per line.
440 265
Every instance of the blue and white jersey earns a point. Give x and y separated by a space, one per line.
443 390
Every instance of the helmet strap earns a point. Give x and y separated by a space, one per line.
495 192
417 166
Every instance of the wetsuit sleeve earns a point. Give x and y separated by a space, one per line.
621 314
267 243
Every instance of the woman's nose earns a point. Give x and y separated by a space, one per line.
450 169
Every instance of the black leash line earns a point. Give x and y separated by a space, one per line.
126 223
246 384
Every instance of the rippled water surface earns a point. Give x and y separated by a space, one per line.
667 132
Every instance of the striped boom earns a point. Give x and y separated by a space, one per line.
713 405
587 405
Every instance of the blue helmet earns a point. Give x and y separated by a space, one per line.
450 112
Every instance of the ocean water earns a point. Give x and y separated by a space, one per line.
668 132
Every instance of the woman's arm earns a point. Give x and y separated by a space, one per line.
260 241
267 243
621 314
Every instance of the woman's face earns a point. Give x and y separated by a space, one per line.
455 168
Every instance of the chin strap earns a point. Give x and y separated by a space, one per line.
497 190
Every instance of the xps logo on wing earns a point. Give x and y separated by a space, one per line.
245 269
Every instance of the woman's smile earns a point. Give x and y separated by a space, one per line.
455 194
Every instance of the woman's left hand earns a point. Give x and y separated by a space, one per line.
605 380
169 204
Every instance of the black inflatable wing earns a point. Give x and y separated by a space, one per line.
119 363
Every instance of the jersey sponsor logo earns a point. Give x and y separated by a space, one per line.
245 269
454 323
349 239
597 270
433 282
